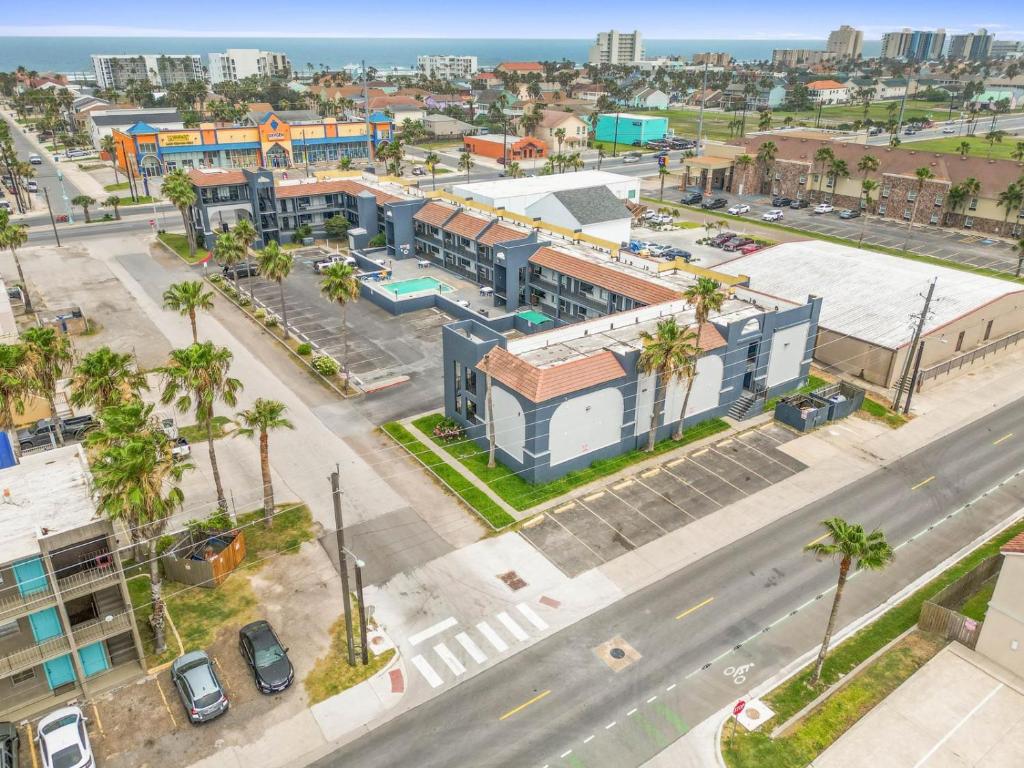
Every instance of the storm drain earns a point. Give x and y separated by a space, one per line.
617 654
512 580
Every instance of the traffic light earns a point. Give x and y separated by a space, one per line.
663 161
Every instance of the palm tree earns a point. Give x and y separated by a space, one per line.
662 175
264 416
108 145
600 156
838 169
824 157
853 548
245 233
466 163
868 164
177 188
276 265
894 141
923 174
514 171
560 138
104 378
340 285
15 383
705 296
12 237
196 378
229 252
48 358
1019 248
136 481
1010 199
1018 152
742 163
113 202
766 157
964 148
84 201
186 298
867 186
431 161
666 352
993 138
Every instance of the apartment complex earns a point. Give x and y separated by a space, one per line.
1002 49
845 43
115 72
66 623
913 45
238 63
447 67
974 46
712 59
797 57
615 47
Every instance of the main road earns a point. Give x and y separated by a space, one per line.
709 632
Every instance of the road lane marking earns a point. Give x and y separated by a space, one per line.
429 632
1007 436
610 725
450 659
471 647
166 705
688 611
525 704
516 631
532 617
492 637
566 753
427 671
820 538
589 739
631 712
923 483
652 699
670 687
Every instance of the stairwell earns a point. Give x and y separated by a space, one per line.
745 406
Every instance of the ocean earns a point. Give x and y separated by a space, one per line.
71 54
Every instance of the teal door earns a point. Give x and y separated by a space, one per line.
94 658
59 671
45 624
30 576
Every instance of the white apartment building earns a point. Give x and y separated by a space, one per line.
845 43
617 48
238 63
447 67
115 71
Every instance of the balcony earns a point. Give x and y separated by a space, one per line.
89 580
541 283
91 632
33 655
591 302
14 605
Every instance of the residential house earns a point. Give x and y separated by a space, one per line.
521 67
499 147
891 88
828 92
552 120
648 98
593 211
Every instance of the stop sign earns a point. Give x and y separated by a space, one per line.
739 707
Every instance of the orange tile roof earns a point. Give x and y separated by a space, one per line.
541 384
319 188
710 338
434 213
824 85
520 66
499 233
201 179
1014 546
466 225
610 279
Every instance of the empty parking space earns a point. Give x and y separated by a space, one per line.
633 511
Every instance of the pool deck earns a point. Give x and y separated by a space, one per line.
406 269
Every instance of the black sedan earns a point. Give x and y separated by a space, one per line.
240 270
781 202
266 657
692 198
798 204
711 203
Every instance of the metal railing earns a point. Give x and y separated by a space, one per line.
33 655
968 358
93 631
86 581
16 604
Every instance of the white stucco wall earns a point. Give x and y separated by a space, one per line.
644 403
584 424
509 423
616 231
705 394
789 346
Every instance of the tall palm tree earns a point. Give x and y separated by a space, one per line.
705 296
48 357
992 138
1010 199
838 169
108 145
113 201
246 234
662 175
964 148
15 383
186 298
260 420
766 157
12 237
742 163
85 202
136 480
923 174
340 284
466 163
514 170
276 265
560 138
665 353
430 162
1019 248
854 548
229 251
867 186
104 378
177 188
972 188
824 158
196 378
868 164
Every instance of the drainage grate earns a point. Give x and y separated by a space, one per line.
512 580
617 653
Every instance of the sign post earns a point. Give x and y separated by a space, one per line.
736 710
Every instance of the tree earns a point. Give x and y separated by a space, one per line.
431 161
514 171
923 174
560 138
340 285
662 175
108 145
12 237
466 163
345 163
854 548
1019 248
1010 199
264 417
823 157
229 252
15 383
136 481
177 188
113 202
867 186
964 149
336 227
1018 152
766 158
838 169
665 353
894 141
48 358
84 201
993 138
276 264
705 296
186 298
196 378
104 378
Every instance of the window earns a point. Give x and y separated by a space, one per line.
803 179
934 219
911 195
470 409
23 676
968 222
457 374
988 330
830 180
882 208
907 213
938 201
886 189
960 341
10 628
974 204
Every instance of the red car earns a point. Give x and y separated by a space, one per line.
750 248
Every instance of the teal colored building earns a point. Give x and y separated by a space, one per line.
631 128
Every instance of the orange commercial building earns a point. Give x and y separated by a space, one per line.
518 147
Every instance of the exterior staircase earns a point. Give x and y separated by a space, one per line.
747 405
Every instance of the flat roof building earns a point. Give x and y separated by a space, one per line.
447 67
116 71
239 63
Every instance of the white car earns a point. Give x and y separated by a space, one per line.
823 208
63 740
322 264
739 208
773 215
35 159
949 129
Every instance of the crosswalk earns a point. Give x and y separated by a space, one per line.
453 655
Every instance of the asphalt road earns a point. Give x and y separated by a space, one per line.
1010 123
46 174
707 633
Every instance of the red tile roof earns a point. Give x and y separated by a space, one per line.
320 188
434 213
520 66
710 338
466 225
824 85
610 279
499 233
1014 546
541 384
201 179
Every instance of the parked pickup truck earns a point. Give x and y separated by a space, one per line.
41 434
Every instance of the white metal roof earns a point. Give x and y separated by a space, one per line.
527 185
867 295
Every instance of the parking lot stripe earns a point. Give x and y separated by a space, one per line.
713 500
223 676
427 671
667 499
166 705
32 747
618 533
471 647
532 617
594 496
99 722
492 637
514 629
436 629
450 659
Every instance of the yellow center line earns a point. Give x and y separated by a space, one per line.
32 747
923 482
1007 436
688 611
820 538
523 706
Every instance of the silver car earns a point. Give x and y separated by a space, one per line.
197 684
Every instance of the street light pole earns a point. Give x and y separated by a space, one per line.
365 651
343 565
53 222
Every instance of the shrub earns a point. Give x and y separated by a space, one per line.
302 232
449 430
243 301
271 321
216 279
260 314
304 349
325 366
378 241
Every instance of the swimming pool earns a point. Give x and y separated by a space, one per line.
416 285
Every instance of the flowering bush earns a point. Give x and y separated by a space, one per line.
325 366
271 321
449 430
260 314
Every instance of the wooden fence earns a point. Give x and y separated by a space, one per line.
209 572
940 615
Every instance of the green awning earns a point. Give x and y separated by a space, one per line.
537 318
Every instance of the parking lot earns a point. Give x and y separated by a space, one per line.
603 524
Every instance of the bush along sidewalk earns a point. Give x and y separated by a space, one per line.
322 366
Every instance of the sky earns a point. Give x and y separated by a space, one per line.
661 19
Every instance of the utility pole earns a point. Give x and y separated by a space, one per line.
913 345
913 377
53 222
364 650
343 565
703 99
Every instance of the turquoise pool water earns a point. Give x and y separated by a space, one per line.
416 285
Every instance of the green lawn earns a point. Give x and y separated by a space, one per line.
813 383
976 606
979 147
521 494
883 413
755 750
116 187
144 200
179 244
197 434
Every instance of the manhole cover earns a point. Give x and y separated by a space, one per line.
512 580
617 653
